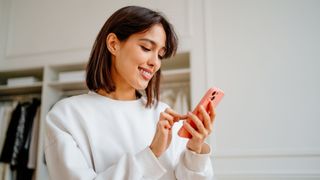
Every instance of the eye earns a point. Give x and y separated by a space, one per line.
145 49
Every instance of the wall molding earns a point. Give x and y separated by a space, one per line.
272 175
45 53
256 153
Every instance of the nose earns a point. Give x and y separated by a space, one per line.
154 61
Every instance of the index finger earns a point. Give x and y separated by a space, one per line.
212 112
176 115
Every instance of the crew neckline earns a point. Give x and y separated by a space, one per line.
138 100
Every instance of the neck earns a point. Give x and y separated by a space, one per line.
123 90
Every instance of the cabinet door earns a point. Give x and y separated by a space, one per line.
55 30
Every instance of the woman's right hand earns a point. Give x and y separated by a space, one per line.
163 135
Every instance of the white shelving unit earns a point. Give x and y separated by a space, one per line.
35 87
67 86
175 70
22 89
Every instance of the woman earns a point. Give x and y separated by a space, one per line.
114 132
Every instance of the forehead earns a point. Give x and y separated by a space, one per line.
156 34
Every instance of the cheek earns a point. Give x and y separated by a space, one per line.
140 57
158 65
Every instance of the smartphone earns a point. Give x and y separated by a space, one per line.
215 95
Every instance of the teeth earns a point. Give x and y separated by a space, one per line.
145 72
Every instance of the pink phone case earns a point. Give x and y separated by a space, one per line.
215 95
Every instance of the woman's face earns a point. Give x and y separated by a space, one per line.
138 58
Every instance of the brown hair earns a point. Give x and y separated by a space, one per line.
125 22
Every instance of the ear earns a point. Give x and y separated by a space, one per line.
113 43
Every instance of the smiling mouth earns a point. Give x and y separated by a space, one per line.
145 74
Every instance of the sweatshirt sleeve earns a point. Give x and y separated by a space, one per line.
194 166
190 165
65 160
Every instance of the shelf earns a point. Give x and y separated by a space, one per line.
180 60
35 72
23 89
68 85
177 75
69 67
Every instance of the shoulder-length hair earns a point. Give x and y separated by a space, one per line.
125 22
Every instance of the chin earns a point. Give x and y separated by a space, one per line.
142 86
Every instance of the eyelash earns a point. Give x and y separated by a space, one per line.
147 50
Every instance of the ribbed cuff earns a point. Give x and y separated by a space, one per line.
196 162
150 165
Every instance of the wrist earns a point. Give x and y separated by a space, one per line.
196 149
200 149
205 149
154 152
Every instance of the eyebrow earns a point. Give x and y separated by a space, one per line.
151 41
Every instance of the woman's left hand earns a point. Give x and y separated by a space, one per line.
202 131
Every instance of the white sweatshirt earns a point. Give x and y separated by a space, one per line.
90 136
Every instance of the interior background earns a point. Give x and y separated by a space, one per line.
265 55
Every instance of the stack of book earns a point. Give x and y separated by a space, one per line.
21 81
72 76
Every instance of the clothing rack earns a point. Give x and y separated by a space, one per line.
19 135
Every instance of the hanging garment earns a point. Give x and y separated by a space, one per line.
6 174
5 171
34 141
7 107
19 135
23 172
6 154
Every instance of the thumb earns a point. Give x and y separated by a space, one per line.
180 117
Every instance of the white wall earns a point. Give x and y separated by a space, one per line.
265 54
